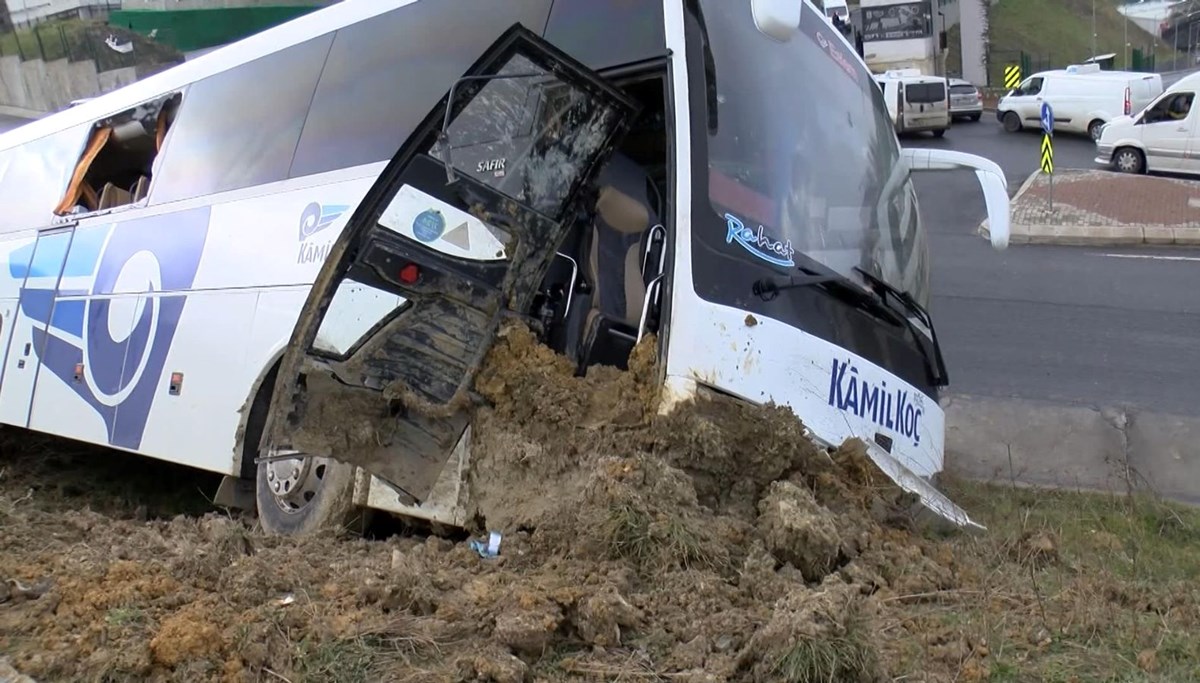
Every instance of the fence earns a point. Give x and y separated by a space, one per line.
110 48
1140 59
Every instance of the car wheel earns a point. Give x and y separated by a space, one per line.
1094 129
1012 122
1129 160
939 133
975 117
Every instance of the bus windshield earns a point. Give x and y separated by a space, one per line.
803 156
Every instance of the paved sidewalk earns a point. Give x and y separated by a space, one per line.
1105 208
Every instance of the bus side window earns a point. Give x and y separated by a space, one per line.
117 163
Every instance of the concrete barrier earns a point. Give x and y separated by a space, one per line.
1040 443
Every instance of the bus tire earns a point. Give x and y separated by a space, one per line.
331 483
320 497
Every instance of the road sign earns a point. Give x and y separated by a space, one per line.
1012 76
1047 119
1047 154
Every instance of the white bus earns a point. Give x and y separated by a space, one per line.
899 34
334 213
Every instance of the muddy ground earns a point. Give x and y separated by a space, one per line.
715 544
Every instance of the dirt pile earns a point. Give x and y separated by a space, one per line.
714 543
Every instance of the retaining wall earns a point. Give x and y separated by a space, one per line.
40 86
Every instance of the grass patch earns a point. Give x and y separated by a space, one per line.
655 543
1062 587
370 655
1056 33
848 657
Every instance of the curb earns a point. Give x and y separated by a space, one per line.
1092 235
986 234
1048 444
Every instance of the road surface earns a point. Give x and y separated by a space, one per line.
1074 325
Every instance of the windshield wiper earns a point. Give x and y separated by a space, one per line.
875 300
937 364
836 285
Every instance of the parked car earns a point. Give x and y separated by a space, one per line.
1083 97
966 102
1164 136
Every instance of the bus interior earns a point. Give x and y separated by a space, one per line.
604 287
118 162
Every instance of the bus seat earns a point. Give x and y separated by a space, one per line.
141 188
618 238
112 196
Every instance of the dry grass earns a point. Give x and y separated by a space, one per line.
1063 587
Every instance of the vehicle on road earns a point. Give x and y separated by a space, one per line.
916 103
899 34
966 102
1164 136
1083 97
295 288
836 8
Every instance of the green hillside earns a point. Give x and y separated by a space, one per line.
1058 32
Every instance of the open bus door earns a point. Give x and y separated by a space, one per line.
456 235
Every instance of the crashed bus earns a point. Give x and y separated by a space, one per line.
343 209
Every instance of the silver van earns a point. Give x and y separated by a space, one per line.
916 102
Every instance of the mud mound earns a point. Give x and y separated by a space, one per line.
714 543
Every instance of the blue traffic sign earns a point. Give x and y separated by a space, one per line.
1047 119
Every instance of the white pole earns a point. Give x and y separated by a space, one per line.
1093 28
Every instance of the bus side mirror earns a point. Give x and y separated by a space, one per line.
987 172
778 19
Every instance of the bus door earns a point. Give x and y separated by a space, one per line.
461 228
38 266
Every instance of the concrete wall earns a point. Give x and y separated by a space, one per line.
38 86
973 17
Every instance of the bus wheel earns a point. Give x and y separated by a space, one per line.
305 495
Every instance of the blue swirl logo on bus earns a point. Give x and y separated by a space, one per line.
758 243
123 289
897 410
314 219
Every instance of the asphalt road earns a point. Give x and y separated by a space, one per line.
1075 325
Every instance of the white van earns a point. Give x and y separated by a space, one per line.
1083 97
1164 136
916 102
